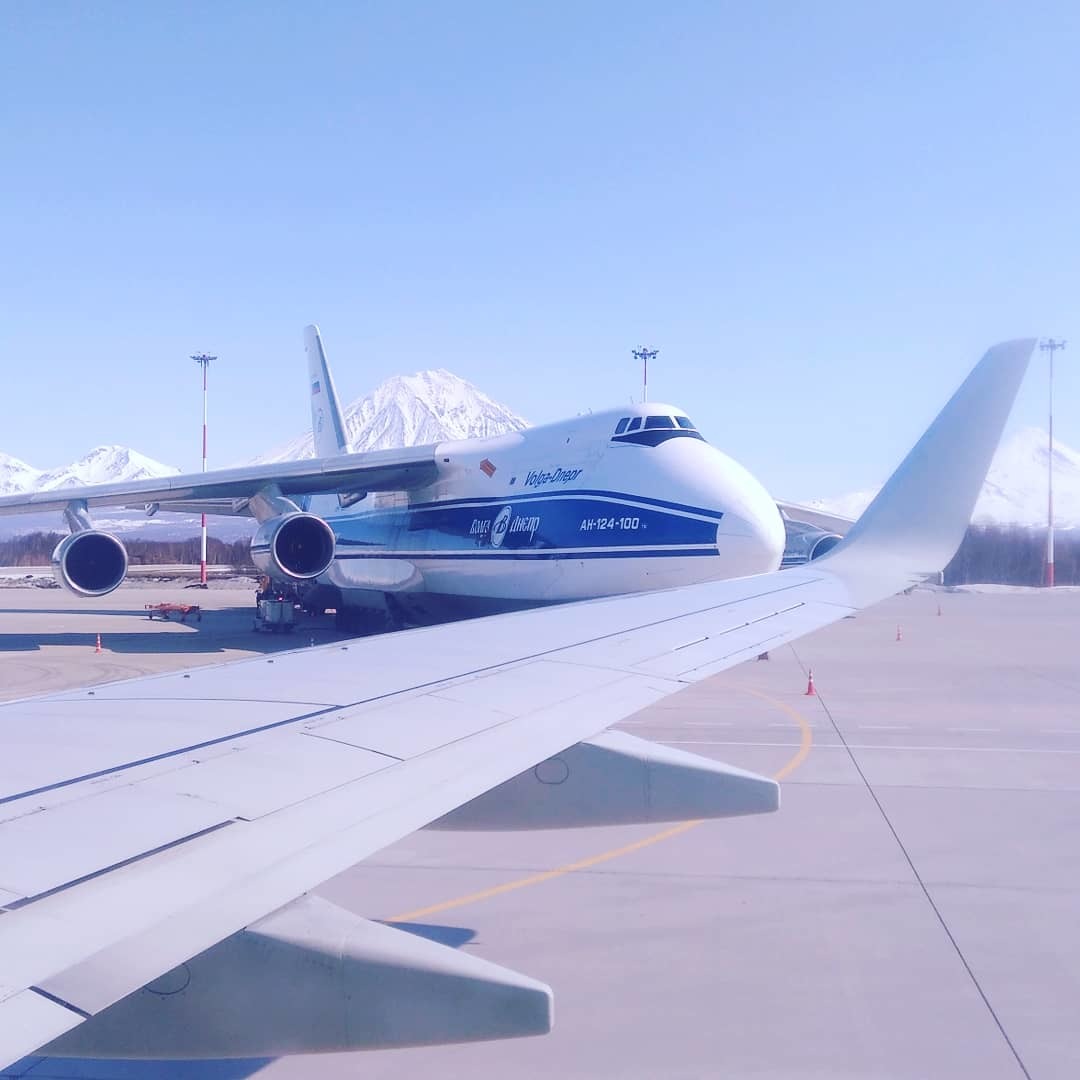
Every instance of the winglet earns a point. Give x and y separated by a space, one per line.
327 423
918 519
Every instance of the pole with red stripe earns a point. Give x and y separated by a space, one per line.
203 360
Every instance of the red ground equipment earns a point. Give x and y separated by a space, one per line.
182 610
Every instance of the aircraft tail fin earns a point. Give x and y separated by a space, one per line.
327 422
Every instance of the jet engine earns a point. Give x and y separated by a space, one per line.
295 546
90 562
806 543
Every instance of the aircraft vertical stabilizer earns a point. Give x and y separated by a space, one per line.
327 423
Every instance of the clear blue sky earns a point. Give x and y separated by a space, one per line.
820 213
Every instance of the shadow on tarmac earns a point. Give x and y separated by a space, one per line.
41 1068
218 631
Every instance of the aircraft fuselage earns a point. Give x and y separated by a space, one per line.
621 501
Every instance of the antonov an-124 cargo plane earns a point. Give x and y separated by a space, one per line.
159 837
620 501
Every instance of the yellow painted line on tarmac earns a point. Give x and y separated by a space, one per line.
806 734
805 742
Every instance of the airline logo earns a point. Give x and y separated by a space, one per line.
487 468
522 526
499 529
542 477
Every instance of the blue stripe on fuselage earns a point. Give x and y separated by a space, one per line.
585 493
560 553
549 525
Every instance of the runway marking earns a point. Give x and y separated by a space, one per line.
883 727
972 730
806 739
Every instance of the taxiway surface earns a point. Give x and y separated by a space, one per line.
911 911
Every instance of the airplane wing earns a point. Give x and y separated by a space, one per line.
820 519
145 826
228 490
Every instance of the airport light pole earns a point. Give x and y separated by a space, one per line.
203 360
645 355
1050 346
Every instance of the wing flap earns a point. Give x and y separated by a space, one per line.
28 1019
45 849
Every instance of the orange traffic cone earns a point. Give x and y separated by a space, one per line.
810 691
97 648
899 633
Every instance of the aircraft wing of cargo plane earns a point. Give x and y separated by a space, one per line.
160 836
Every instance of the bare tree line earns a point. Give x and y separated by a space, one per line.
35 549
1013 555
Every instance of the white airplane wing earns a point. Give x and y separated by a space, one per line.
226 491
811 515
169 824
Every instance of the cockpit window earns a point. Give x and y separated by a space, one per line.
620 427
652 422
634 424
684 422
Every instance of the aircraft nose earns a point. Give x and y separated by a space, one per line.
751 540
750 537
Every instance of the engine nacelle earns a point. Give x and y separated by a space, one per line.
298 546
90 563
806 543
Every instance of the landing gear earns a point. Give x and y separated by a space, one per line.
395 614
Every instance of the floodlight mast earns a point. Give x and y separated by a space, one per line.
203 360
1050 346
645 355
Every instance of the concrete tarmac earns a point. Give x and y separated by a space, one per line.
912 911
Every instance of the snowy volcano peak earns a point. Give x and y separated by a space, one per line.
15 475
1015 488
102 465
1030 446
430 406
413 410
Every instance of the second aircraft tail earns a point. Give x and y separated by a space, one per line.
327 423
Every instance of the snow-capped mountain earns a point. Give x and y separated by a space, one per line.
412 410
15 475
1015 488
102 465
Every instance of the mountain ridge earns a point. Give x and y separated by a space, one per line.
1015 489
108 463
412 410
